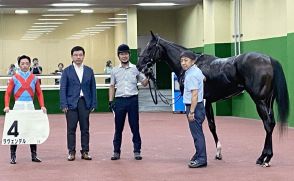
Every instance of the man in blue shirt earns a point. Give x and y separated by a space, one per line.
195 111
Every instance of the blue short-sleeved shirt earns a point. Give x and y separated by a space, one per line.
193 80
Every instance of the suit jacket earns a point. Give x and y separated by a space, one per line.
70 88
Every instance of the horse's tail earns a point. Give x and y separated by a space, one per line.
281 92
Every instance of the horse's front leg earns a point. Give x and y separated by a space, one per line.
212 127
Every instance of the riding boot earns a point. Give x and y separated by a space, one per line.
34 153
13 154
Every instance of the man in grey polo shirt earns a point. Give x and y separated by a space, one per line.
123 86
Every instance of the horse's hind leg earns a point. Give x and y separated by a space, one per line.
212 127
266 113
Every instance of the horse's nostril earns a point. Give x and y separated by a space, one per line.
149 65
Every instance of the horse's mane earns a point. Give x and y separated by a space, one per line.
205 57
199 56
172 44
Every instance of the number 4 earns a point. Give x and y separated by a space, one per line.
15 133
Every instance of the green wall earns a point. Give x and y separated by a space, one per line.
134 56
290 78
51 98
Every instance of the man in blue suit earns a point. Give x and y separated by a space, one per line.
77 100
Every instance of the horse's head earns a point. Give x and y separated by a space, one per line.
149 56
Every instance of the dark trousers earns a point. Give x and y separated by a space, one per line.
124 106
197 132
33 149
73 116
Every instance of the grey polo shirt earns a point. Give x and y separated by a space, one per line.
193 80
125 80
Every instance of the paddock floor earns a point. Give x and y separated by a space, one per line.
166 148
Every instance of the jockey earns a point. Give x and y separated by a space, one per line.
24 85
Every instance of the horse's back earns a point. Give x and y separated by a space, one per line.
227 77
222 80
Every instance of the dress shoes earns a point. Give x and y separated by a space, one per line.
196 164
71 157
115 156
86 156
137 156
36 159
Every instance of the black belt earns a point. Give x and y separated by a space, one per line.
197 103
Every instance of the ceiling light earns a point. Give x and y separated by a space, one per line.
108 25
31 36
98 28
40 29
21 11
82 33
113 22
54 15
62 10
92 30
70 4
121 14
87 11
73 38
118 18
34 33
49 23
156 4
64 19
45 26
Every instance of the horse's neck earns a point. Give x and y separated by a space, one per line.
172 56
174 64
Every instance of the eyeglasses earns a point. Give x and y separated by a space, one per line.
78 55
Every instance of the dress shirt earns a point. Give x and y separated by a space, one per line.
80 71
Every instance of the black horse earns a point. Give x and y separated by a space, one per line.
260 75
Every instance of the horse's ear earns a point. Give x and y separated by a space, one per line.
153 36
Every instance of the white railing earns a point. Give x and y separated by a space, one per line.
47 84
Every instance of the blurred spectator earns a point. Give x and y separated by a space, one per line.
58 72
16 65
107 70
11 70
36 68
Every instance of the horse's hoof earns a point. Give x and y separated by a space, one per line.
264 165
259 162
